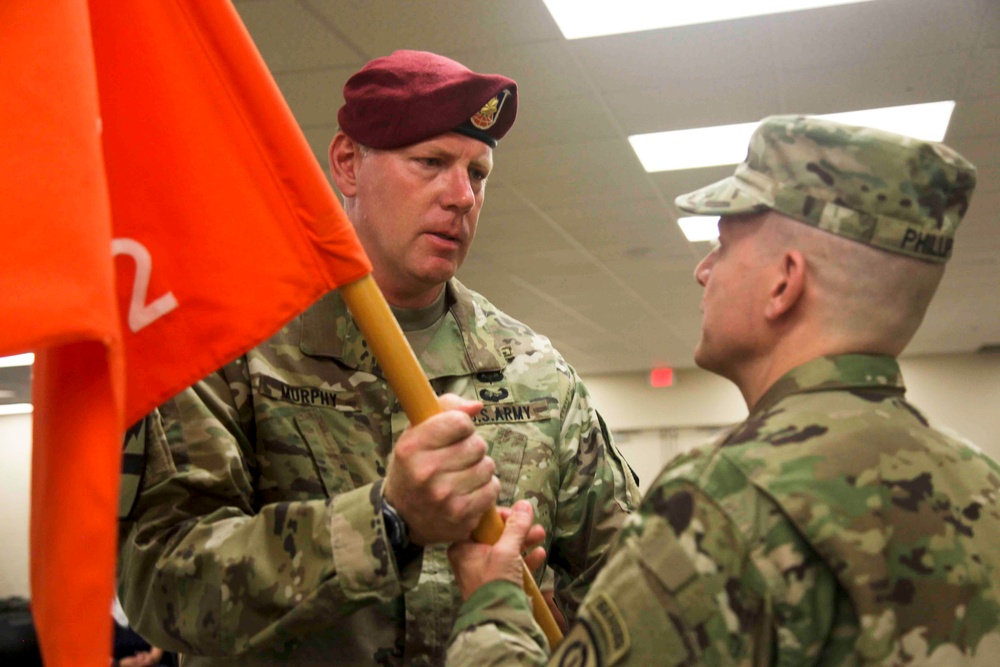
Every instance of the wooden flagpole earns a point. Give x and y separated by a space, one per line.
371 313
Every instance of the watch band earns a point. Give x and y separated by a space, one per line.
396 530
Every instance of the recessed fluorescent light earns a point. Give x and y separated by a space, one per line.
920 121
700 227
689 149
727 144
17 360
591 18
16 409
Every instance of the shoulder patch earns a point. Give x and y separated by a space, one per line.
578 648
611 624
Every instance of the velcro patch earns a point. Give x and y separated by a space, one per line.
609 621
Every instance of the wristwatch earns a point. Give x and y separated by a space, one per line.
395 528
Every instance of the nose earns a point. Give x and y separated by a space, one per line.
459 192
704 268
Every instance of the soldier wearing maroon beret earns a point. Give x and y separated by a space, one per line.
288 514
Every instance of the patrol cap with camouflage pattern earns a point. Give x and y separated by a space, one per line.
892 192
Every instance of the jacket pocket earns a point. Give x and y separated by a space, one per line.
507 450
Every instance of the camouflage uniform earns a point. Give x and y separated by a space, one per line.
257 528
833 527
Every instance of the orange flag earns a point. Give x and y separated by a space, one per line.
162 213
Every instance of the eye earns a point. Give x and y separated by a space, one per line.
429 161
477 175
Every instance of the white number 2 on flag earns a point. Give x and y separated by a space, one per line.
140 313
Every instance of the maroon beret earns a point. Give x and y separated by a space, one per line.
411 96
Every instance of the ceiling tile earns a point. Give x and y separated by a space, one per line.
989 23
314 96
681 105
872 84
290 38
981 151
542 70
983 74
379 27
627 223
500 235
661 58
557 120
873 32
561 175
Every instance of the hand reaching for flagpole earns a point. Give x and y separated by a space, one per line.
440 480
476 564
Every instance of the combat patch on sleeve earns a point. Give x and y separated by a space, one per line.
608 619
599 637
578 648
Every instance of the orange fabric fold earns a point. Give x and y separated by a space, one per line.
162 213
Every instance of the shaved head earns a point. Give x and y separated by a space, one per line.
871 297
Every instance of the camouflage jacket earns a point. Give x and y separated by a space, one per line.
256 530
833 527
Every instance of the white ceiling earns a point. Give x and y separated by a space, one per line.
576 239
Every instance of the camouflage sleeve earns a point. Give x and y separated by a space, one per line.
205 568
495 627
597 493
679 589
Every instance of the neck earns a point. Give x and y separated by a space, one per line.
410 296
790 350
415 319
753 382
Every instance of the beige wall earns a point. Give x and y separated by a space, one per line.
960 393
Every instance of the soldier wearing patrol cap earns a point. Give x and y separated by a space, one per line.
285 513
835 526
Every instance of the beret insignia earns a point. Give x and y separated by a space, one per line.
487 116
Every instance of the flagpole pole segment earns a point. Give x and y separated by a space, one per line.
395 357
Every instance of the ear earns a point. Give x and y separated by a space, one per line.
344 159
788 289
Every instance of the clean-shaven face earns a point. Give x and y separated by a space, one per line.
734 297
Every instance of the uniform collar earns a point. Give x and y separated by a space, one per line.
328 330
839 371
